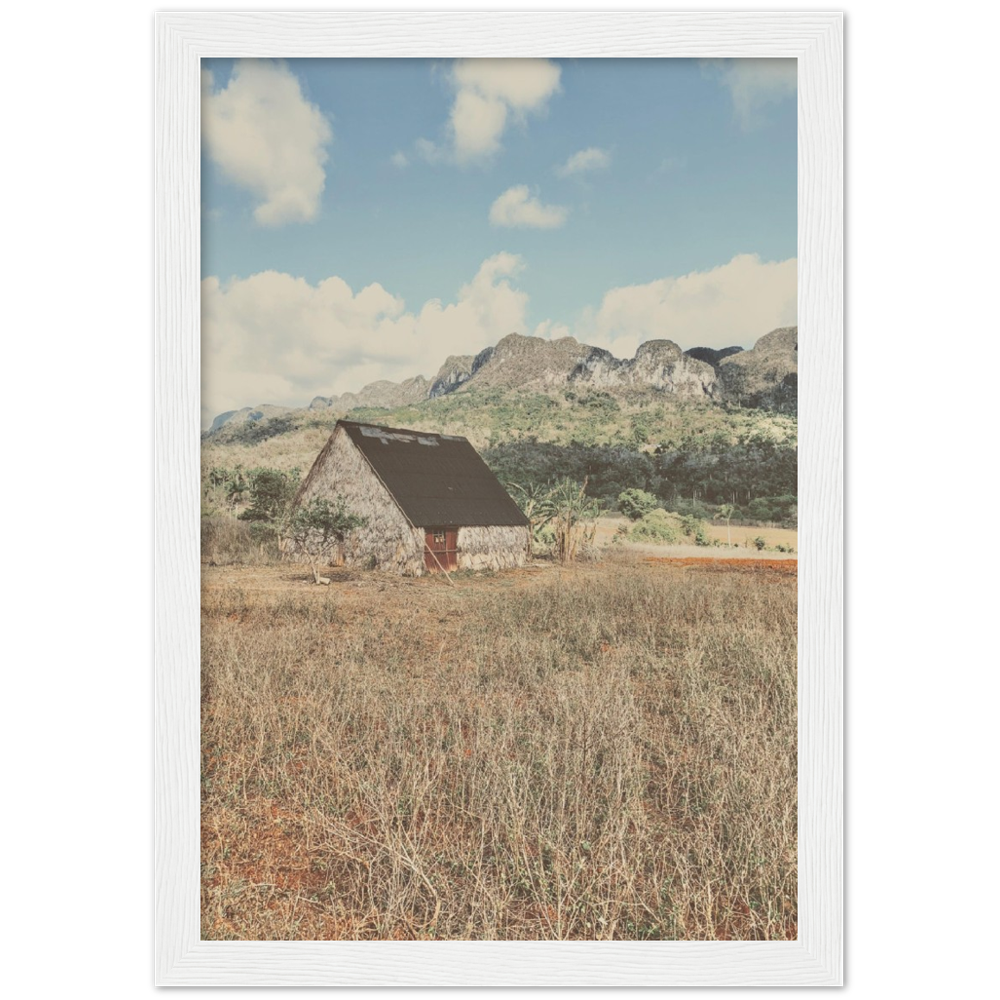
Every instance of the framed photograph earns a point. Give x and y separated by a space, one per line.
498 627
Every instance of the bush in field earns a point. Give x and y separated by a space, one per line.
224 489
271 492
634 504
658 527
665 527
316 527
255 431
760 543
694 529
267 491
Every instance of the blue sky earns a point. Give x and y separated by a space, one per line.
363 219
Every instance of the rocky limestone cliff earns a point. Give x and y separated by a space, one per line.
381 393
527 362
710 355
249 415
766 375
456 370
658 364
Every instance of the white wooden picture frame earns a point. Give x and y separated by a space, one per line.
182 39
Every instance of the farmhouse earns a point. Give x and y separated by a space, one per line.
429 501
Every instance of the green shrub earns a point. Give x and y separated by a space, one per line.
318 526
270 491
255 431
694 529
658 527
635 504
265 534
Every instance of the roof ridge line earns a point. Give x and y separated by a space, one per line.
403 430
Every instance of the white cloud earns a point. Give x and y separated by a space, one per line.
267 138
400 160
755 83
550 330
273 338
524 84
729 305
477 123
488 94
516 208
585 160
429 151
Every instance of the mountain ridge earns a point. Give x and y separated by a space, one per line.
765 376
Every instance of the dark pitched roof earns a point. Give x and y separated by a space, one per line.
437 479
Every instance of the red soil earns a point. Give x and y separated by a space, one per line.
787 567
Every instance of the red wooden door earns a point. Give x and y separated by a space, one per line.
441 548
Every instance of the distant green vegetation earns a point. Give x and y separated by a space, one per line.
690 457
255 431
757 477
643 419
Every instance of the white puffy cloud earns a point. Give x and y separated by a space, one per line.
550 330
400 160
755 83
429 151
516 208
585 160
729 305
524 84
477 122
274 338
267 138
488 94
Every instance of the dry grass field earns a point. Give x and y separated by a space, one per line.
604 751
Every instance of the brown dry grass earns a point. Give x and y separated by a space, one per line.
602 752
